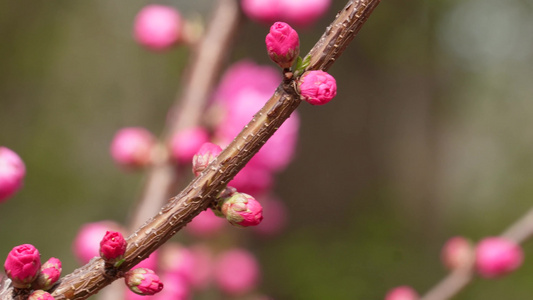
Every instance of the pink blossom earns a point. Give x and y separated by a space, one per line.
205 224
203 267
22 265
283 44
132 147
457 253
176 288
265 11
497 256
253 180
112 247
186 143
237 272
275 216
87 242
143 281
242 210
177 260
49 274
205 155
12 172
158 27
317 87
40 295
402 293
303 12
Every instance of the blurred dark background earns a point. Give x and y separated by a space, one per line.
429 137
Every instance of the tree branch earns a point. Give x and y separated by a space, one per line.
198 195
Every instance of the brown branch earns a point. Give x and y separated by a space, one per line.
199 81
519 232
198 195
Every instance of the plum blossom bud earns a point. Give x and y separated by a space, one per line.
87 242
317 87
497 256
205 155
132 147
457 253
237 272
12 172
22 265
402 293
49 275
283 44
143 281
112 248
242 210
40 295
186 143
158 27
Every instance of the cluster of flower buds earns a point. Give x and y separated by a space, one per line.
112 248
302 13
12 172
23 267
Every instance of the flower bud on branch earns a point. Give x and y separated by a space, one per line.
22 265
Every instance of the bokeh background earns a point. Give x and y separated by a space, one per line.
429 137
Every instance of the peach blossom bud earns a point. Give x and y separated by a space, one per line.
186 143
402 293
283 44
205 155
158 27
49 275
205 224
87 242
303 12
497 256
265 11
458 253
22 265
317 87
242 210
40 295
12 172
237 272
132 147
112 248
143 281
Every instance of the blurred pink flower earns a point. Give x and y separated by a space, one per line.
176 288
402 293
87 242
12 172
303 12
132 146
186 143
205 224
458 253
265 11
157 27
497 256
177 260
203 267
237 272
275 216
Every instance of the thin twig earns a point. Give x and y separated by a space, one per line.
519 232
198 195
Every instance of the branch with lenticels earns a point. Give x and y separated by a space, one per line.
199 194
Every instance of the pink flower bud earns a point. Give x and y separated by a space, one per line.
49 275
132 147
205 224
283 44
497 256
12 172
205 155
143 281
237 272
112 248
186 143
242 210
40 295
265 11
458 253
402 293
22 265
317 87
157 27
303 12
87 242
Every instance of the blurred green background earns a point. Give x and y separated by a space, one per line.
429 137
